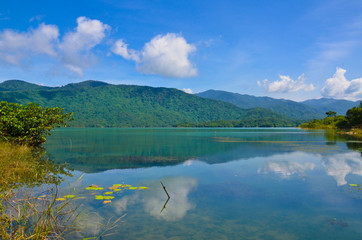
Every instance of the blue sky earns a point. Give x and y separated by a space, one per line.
284 49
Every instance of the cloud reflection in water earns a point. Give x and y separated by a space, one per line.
338 165
154 198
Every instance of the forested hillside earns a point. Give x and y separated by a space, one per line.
98 104
306 110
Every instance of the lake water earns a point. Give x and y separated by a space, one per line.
224 183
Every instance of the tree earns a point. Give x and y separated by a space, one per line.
354 116
30 124
331 114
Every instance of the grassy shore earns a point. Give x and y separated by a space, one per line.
26 214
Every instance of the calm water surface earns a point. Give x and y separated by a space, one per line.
223 183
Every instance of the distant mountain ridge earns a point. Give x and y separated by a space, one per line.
310 109
99 104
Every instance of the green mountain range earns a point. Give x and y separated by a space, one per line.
99 104
310 109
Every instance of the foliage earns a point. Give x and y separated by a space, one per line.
331 114
97 104
29 124
306 110
353 119
354 116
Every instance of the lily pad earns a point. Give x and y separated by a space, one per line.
353 185
107 201
93 188
142 187
117 190
117 185
133 188
107 193
60 199
69 196
100 197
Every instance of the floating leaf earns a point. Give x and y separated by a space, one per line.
107 193
353 185
117 190
126 185
107 201
69 196
133 188
117 185
94 188
60 199
100 197
142 187
89 238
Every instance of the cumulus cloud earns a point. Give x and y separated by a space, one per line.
166 55
15 47
188 90
286 84
339 87
75 47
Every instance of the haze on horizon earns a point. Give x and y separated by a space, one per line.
281 49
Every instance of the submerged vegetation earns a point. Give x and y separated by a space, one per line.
24 165
25 214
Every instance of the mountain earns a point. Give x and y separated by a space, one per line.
18 85
98 104
328 104
306 110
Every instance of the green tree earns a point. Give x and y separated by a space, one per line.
331 114
354 116
30 124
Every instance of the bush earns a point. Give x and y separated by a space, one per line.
30 124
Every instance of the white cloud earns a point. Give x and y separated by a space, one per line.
166 55
75 47
286 84
120 48
188 90
339 87
15 47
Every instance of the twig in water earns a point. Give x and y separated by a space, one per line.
164 188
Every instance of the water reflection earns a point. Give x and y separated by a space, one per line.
340 165
337 165
286 168
153 201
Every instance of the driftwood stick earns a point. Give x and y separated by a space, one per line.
164 188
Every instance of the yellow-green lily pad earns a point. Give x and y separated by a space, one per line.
100 197
60 199
142 187
133 188
353 185
93 188
69 196
117 190
107 193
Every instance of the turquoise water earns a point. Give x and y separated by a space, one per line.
224 183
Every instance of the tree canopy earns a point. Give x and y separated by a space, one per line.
30 124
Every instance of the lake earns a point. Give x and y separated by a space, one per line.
278 183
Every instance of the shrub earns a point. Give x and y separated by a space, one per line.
30 124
